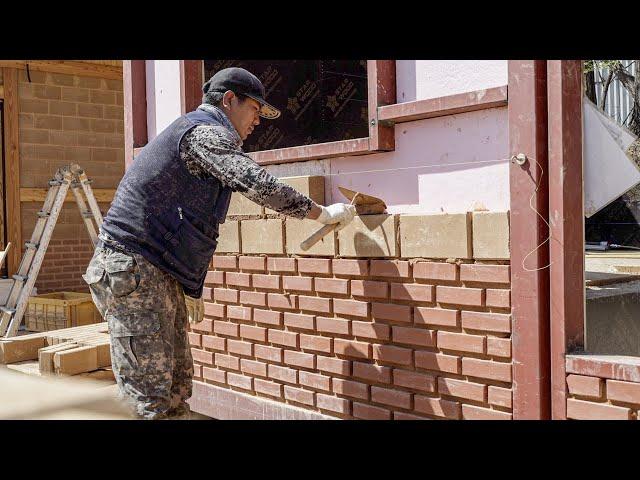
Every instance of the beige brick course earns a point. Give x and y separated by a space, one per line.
262 236
229 239
435 236
299 230
241 205
310 185
491 235
369 236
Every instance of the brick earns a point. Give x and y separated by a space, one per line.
33 106
333 365
387 311
349 388
493 322
501 397
414 336
207 293
284 374
63 138
267 388
280 337
76 123
59 108
435 271
225 295
392 354
585 410
202 356
351 348
369 236
239 347
49 122
315 381
281 264
214 374
34 136
498 298
299 359
474 367
475 272
333 404
352 308
472 412
316 343
285 302
461 342
250 332
437 407
407 416
257 264
214 277
436 316
314 304
310 185
374 373
623 391
438 361
197 371
267 282
265 352
241 205
113 112
90 110
239 381
369 412
253 298
262 236
195 339
238 279
229 237
395 398
491 235
225 328
73 94
214 310
369 289
378 331
91 139
224 262
412 292
317 266
252 367
332 285
203 326
333 325
301 284
100 96
298 231
499 347
296 320
460 295
267 317
462 389
414 380
227 361
389 268
214 343
299 395
353 268
238 313
436 236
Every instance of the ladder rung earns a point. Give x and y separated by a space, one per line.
87 214
10 311
21 278
75 184
31 245
42 214
55 183
87 181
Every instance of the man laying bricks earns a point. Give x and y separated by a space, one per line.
160 233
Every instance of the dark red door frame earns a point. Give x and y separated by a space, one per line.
135 107
527 107
564 87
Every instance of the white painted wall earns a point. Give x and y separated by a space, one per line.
423 79
163 94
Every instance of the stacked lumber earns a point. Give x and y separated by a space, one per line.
68 351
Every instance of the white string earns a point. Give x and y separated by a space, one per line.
543 219
417 166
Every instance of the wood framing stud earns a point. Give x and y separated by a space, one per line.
381 78
135 107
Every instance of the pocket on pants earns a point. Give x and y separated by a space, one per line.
137 341
122 272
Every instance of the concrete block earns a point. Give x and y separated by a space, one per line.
435 236
229 238
311 186
299 230
262 236
491 235
241 205
369 236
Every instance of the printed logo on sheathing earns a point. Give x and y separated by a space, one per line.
341 96
303 98
211 67
270 139
270 78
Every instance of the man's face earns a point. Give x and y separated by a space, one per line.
243 114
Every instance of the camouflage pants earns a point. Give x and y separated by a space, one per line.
148 321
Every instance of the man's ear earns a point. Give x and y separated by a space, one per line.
227 97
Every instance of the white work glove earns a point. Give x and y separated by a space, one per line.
198 309
340 213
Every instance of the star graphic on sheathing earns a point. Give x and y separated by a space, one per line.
332 103
292 104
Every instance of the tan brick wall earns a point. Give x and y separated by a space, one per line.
68 119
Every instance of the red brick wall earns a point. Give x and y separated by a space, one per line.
360 338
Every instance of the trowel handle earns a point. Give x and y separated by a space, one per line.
317 236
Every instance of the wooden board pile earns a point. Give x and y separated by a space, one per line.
68 351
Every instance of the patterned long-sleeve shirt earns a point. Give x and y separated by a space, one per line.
215 150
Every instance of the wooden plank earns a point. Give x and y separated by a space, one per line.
76 360
20 349
12 167
46 355
69 67
356 146
1 92
104 195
